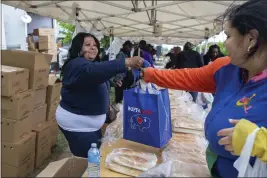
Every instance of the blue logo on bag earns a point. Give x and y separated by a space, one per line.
140 121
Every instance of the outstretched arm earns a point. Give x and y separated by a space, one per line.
197 79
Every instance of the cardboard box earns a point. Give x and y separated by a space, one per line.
21 171
53 90
39 115
53 132
52 52
47 39
14 80
49 51
43 144
32 46
45 46
39 97
44 31
13 131
17 153
37 63
51 111
68 167
17 106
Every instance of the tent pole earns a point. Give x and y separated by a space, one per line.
111 34
110 46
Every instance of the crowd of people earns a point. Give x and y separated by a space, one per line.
239 81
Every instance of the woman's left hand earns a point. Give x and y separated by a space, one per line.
227 135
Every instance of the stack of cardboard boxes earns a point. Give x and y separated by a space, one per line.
52 101
44 41
18 142
27 99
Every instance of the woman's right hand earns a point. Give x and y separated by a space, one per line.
134 62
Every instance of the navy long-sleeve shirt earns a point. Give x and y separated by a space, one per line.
85 87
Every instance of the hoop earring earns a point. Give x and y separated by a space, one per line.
249 49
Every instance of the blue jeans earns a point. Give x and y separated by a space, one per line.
80 142
194 95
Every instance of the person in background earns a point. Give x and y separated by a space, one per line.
85 92
144 52
150 50
154 54
189 58
240 83
128 77
213 53
169 54
173 63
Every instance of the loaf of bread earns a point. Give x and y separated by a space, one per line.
182 169
129 159
189 148
123 169
128 152
134 162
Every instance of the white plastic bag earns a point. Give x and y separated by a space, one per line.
177 169
242 163
114 130
144 87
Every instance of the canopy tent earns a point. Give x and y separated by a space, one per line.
160 22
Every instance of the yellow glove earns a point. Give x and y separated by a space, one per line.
241 131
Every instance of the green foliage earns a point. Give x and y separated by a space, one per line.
68 31
104 42
223 49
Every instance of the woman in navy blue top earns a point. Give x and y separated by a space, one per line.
85 92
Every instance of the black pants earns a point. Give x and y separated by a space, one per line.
126 84
118 94
80 142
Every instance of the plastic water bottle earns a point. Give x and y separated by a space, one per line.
93 161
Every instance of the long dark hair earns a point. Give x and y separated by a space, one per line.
76 47
209 53
250 15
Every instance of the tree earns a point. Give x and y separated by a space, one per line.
105 42
222 47
68 30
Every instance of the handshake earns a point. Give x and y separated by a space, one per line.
136 62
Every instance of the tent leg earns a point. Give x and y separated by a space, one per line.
206 46
200 48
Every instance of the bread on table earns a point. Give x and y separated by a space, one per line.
129 162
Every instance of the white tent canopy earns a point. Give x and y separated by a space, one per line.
176 21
